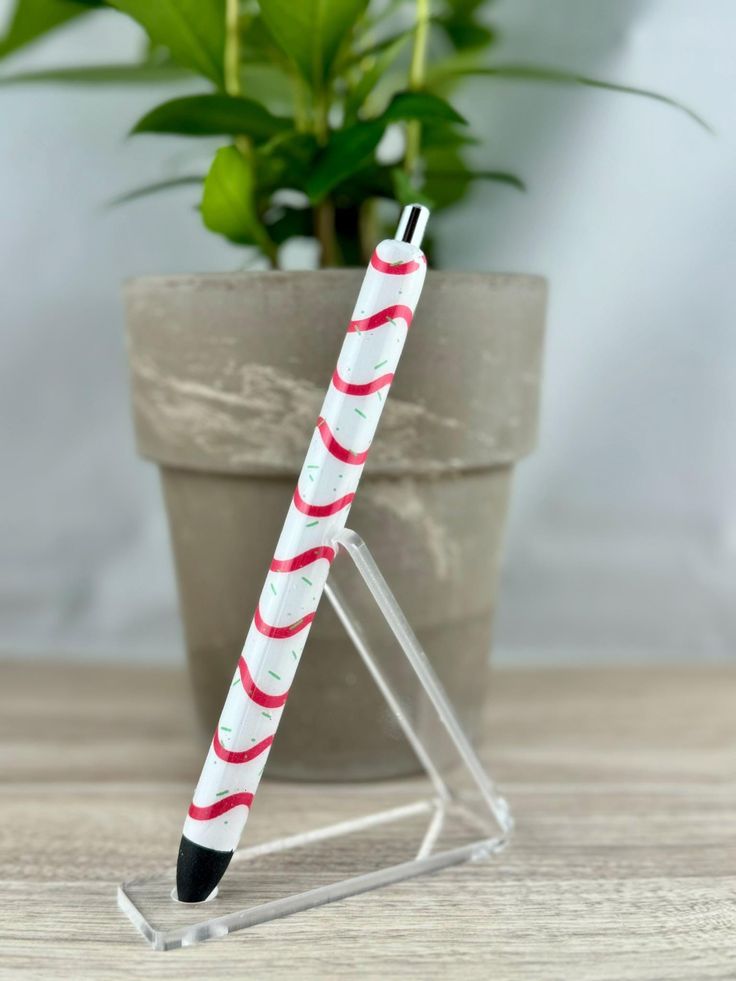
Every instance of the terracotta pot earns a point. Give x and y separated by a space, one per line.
228 374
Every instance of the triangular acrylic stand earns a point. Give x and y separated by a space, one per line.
454 816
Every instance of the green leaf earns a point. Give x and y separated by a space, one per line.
466 34
351 148
452 184
212 115
379 62
464 8
555 76
31 19
385 12
287 223
422 106
311 32
442 190
228 201
285 161
192 30
270 85
446 135
405 192
378 49
498 176
371 181
346 152
257 45
100 75
146 190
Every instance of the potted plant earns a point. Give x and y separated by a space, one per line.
332 114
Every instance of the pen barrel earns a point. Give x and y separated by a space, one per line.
318 511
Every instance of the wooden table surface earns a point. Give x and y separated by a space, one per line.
623 865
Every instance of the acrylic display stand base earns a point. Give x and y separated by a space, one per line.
455 815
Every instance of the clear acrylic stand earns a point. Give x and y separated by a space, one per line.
456 816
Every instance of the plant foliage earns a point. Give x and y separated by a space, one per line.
340 103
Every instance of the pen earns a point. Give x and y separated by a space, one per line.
318 512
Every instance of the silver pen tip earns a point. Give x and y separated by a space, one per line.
412 224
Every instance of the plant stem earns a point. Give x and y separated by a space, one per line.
301 116
232 47
321 121
270 249
419 53
416 82
324 231
231 62
231 66
367 228
324 212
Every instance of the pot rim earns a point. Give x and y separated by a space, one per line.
167 425
213 280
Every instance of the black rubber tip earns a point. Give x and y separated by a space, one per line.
198 870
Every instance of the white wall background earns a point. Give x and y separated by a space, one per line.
622 543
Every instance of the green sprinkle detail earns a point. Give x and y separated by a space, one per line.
310 477
236 682
361 413
274 675
380 364
313 466
273 588
266 715
312 524
295 655
307 581
222 793
380 397
225 729
391 321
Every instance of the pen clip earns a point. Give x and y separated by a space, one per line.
412 224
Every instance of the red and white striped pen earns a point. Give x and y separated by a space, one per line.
318 512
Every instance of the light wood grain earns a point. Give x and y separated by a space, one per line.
623 865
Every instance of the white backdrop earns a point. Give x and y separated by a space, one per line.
622 542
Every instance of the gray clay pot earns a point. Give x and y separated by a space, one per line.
228 374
